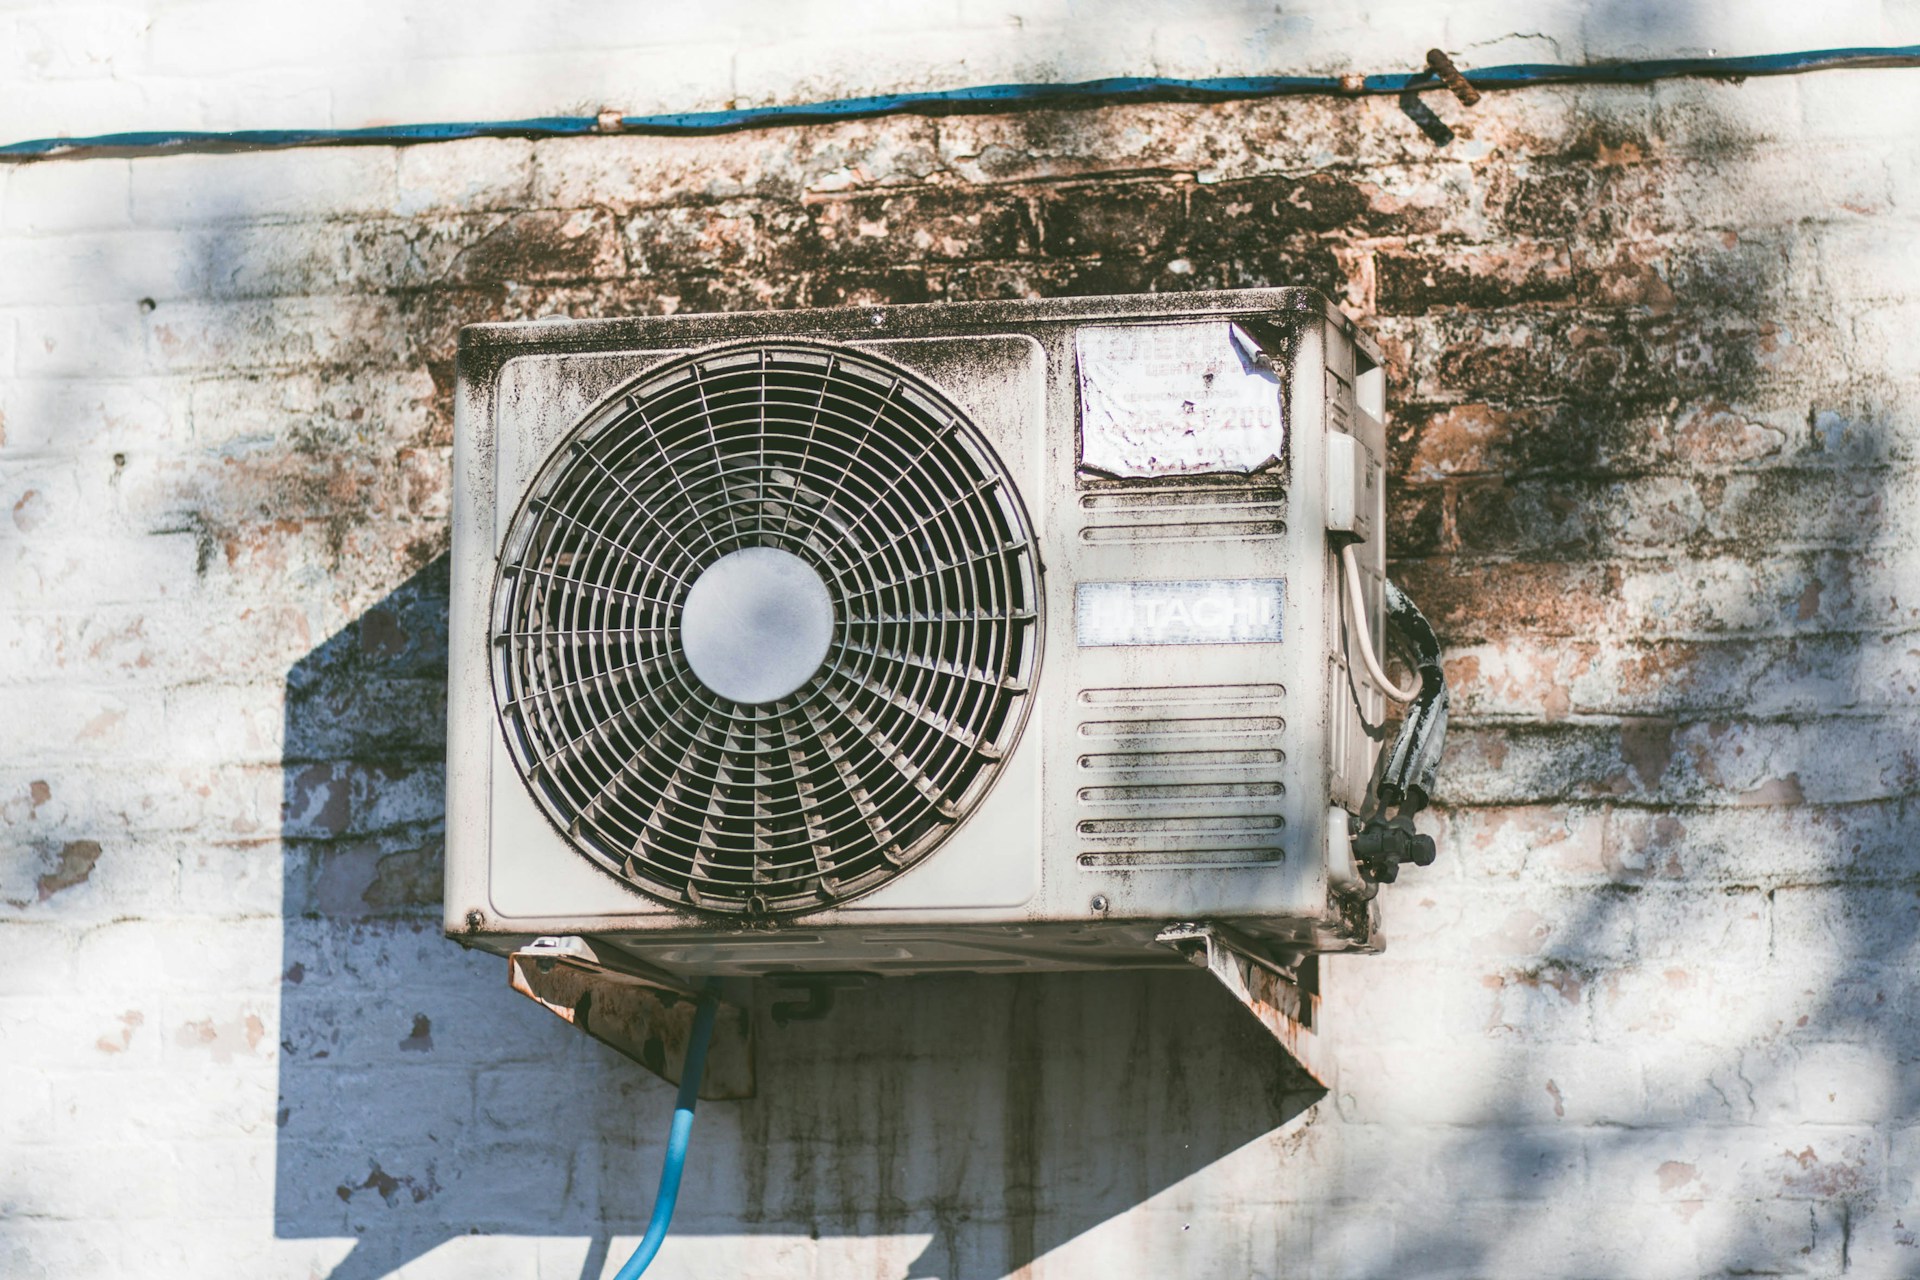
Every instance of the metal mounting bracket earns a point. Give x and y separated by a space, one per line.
1272 993
643 1013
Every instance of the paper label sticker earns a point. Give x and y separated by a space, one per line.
1208 611
1176 399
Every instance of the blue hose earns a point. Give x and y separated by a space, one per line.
676 1161
977 98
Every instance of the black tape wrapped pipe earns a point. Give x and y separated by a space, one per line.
1407 782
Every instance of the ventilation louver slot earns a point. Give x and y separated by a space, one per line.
1254 510
761 793
1178 776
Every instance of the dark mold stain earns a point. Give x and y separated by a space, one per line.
1647 748
420 1039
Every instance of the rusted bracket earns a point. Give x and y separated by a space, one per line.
1269 992
642 1012
1441 65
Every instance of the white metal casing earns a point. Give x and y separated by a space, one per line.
1093 836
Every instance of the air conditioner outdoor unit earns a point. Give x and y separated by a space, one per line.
979 636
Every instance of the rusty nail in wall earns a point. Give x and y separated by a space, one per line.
1441 65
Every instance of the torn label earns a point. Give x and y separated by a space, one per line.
1176 399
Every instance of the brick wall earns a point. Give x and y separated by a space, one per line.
1652 368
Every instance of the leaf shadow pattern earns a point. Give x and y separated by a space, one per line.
1683 880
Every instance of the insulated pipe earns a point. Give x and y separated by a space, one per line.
1357 610
974 99
677 1136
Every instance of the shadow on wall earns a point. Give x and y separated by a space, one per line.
421 1100
1678 421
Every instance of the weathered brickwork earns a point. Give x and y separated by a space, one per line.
1652 376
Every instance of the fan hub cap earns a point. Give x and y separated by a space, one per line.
757 625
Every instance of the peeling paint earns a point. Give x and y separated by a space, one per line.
77 860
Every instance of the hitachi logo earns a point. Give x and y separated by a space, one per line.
1215 611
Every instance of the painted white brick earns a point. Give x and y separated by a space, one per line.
1690 1084
1724 28
45 958
82 108
180 958
224 1183
1557 843
1394 1003
805 69
272 334
219 1034
519 1255
58 416
180 1105
183 190
1881 335
1694 1001
577 27
1870 103
73 195
262 98
459 177
581 82
50 1250
1714 846
1707 117
76 879
337 1114
1774 187
127 644
102 1181
107 1032
1903 1160
1821 925
1831 1083
1790 1163
26 1112
232 879
106 570
276 260
79 723
575 172
103 801
104 340
1879 1241
1870 263
207 39
81 41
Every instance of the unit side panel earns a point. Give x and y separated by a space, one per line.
1192 785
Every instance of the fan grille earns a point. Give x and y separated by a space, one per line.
899 504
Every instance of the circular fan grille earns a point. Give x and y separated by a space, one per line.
902 510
